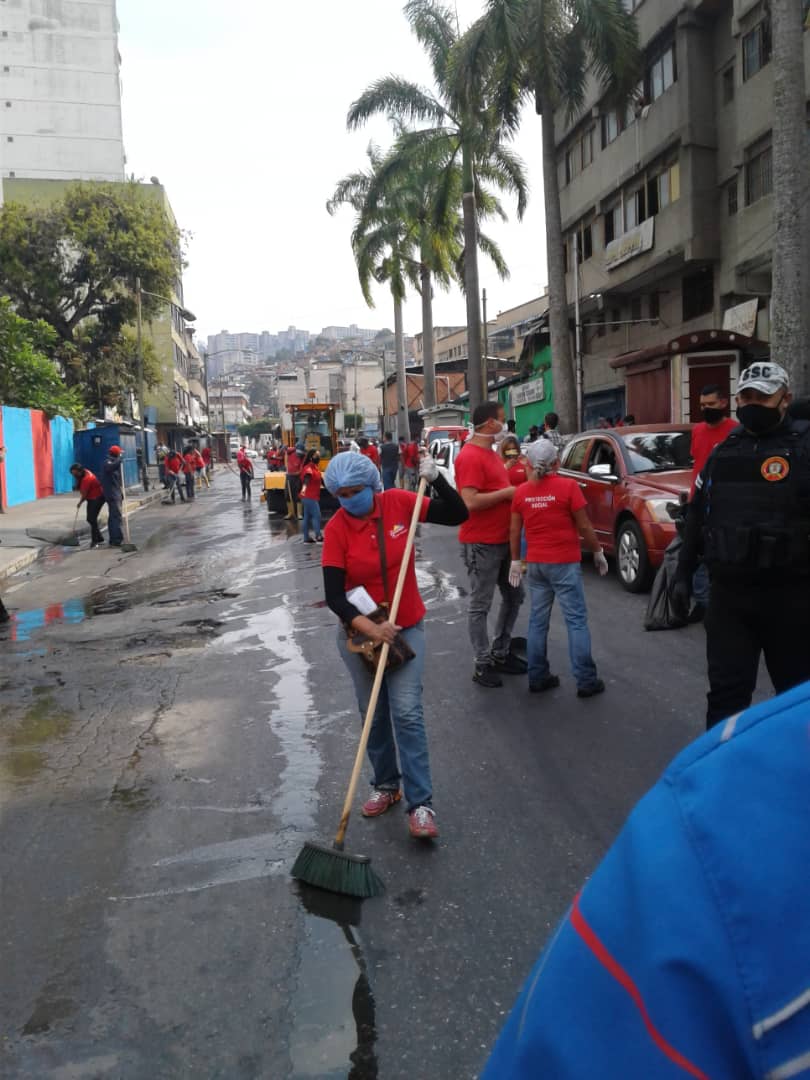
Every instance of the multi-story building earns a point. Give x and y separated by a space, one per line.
348 333
667 211
60 117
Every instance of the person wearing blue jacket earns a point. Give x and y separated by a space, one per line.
687 954
112 483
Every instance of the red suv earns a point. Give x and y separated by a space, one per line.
633 478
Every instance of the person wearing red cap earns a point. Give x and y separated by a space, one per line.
112 483
92 493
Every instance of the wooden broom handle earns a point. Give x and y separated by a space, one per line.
380 673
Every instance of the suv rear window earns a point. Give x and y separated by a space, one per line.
574 457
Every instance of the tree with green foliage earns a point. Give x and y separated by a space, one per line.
461 114
74 264
546 51
28 378
256 428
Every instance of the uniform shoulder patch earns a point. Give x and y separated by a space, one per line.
775 468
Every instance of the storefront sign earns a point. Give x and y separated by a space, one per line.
635 242
742 319
525 393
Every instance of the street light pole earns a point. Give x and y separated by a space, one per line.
141 406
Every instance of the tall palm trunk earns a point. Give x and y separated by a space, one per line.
791 277
562 370
476 384
428 367
403 427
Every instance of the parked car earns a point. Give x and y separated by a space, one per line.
633 479
252 454
445 452
443 432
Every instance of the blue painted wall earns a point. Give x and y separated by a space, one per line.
62 444
20 482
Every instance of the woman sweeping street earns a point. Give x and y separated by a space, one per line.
551 510
363 548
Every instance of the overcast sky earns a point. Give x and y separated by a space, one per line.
239 108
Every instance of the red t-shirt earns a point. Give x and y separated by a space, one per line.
547 507
293 461
174 464
517 473
189 463
704 440
311 478
350 544
206 455
410 456
89 487
371 453
485 471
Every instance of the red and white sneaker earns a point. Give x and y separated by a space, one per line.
422 821
380 801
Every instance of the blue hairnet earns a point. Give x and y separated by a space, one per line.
351 470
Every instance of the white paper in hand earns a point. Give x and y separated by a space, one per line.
360 599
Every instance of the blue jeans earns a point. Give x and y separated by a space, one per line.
398 721
389 477
563 580
312 517
115 520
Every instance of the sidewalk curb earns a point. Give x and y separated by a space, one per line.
32 555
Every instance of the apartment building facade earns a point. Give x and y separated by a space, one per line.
667 212
60 91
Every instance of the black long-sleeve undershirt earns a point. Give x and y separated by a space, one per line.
445 508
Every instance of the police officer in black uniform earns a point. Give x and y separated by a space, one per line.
750 521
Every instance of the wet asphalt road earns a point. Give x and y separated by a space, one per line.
175 724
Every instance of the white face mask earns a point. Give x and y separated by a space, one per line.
498 437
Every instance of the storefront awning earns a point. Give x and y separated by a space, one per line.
699 341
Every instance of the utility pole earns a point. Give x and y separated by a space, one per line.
141 407
577 333
486 344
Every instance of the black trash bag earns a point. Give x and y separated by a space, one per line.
660 610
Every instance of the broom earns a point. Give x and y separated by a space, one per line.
333 868
127 546
53 536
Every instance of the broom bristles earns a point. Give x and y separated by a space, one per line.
336 871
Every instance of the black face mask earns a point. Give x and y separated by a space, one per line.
712 416
759 419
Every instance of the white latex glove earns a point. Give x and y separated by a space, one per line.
600 562
515 572
428 469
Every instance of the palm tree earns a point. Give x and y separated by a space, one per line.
462 121
546 50
383 253
420 177
790 332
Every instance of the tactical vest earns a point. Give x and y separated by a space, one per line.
757 501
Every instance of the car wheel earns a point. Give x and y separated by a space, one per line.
632 560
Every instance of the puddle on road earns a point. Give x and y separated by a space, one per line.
334 1030
436 584
171 589
24 755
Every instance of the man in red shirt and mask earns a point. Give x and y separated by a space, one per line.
487 491
715 428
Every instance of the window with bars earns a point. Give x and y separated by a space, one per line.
758 175
663 188
756 49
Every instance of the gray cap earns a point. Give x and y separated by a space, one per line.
764 376
542 454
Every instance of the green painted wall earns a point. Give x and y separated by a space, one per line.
534 412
